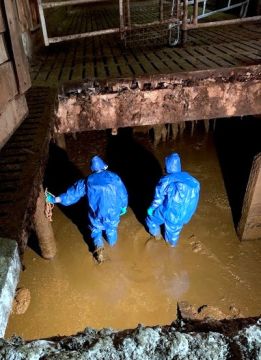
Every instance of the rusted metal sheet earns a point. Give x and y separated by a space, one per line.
159 99
249 227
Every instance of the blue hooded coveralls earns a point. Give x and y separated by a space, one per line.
175 201
106 195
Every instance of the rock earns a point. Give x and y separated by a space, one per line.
210 312
21 301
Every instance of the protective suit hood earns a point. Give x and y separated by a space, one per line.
172 163
97 164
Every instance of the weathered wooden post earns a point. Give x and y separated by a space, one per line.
249 227
43 228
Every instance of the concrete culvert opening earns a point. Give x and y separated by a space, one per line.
141 281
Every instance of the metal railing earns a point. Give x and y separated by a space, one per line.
177 21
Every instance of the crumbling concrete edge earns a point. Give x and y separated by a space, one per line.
159 99
236 339
10 267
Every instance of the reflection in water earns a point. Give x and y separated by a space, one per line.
177 285
142 280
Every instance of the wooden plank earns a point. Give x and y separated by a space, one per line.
23 15
3 51
20 59
2 23
250 224
11 117
7 78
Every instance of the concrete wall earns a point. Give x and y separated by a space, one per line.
10 267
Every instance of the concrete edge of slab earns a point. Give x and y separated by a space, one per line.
10 267
210 339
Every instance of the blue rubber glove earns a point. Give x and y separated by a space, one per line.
150 211
49 198
123 211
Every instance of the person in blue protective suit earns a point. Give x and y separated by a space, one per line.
175 201
107 200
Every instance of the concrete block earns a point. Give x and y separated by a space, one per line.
10 267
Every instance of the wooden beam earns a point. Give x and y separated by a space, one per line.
2 24
3 50
11 117
249 227
20 59
7 79
44 229
23 15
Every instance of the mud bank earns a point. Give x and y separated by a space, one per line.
183 339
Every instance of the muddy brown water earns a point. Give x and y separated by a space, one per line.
141 280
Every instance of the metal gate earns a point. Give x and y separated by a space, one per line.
146 21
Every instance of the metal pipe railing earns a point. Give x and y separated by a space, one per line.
226 8
195 12
186 23
223 22
55 4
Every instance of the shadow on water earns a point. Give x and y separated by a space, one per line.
237 141
137 167
60 174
